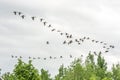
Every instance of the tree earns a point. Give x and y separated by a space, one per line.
91 69
101 67
45 75
116 72
23 71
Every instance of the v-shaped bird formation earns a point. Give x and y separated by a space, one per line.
69 37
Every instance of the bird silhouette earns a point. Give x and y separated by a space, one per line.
14 12
19 13
33 18
15 56
61 56
20 56
44 58
44 23
70 36
80 39
61 33
47 42
67 36
93 40
49 25
23 16
84 38
53 30
105 43
41 19
104 47
88 38
97 41
106 51
76 40
34 58
12 56
66 33
79 43
70 56
38 57
101 42
81 55
58 30
70 42
50 57
29 57
55 58
64 42
95 53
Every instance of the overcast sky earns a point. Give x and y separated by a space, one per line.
97 19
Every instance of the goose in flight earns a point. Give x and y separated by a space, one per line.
41 19
106 51
49 25
101 42
97 41
61 57
23 16
93 40
78 43
95 53
20 56
67 36
33 18
55 58
29 57
14 12
47 42
70 42
34 58
53 30
58 30
64 42
88 38
19 13
84 38
50 57
15 56
38 57
76 40
61 33
44 58
44 23
104 47
66 33
70 56
12 56
70 36
105 43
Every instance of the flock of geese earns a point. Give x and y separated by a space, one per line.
45 58
69 37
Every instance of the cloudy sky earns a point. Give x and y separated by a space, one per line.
97 19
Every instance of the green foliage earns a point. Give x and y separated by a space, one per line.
116 72
23 71
93 68
45 75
